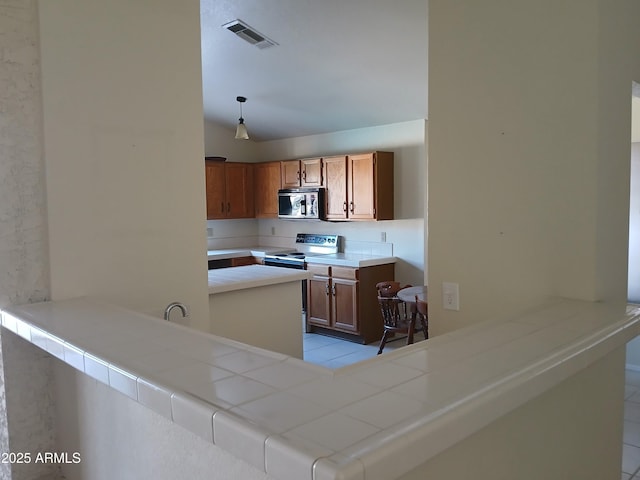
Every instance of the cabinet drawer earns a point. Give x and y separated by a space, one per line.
318 269
345 272
241 261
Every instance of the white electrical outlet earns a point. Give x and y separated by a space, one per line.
209 232
273 230
450 296
383 237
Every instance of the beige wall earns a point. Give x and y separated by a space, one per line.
528 152
124 147
99 93
559 435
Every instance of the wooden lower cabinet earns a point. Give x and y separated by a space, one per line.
343 301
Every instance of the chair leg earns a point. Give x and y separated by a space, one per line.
412 327
383 342
425 326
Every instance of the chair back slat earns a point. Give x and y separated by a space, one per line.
392 314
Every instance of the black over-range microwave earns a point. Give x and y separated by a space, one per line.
304 203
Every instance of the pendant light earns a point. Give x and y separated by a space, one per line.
241 130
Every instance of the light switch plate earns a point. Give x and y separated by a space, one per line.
450 296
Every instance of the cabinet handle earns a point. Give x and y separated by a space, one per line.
298 174
228 207
344 207
221 207
351 206
326 288
304 175
333 289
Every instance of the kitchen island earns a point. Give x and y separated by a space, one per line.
258 305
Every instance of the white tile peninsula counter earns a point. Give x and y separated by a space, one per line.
297 421
259 305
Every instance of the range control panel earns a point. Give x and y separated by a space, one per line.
317 243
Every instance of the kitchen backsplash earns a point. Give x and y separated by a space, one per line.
224 234
403 239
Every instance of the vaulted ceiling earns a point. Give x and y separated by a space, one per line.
337 65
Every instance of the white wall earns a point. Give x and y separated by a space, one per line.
406 233
124 152
634 226
528 153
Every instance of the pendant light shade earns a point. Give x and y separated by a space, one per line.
241 130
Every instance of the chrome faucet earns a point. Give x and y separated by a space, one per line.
172 305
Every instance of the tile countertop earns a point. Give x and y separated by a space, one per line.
350 259
303 422
251 276
340 259
244 252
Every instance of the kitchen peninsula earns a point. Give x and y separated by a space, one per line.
293 420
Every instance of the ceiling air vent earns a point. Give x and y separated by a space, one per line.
249 34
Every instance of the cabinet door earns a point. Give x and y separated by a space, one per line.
344 295
290 173
361 187
335 180
239 187
318 301
267 184
215 181
311 172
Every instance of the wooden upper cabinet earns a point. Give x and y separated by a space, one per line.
361 192
290 170
335 180
301 173
267 183
229 190
215 181
311 175
359 187
239 186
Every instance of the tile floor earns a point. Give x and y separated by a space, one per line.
335 353
631 437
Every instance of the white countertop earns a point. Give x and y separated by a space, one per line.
224 254
251 276
304 422
350 259
339 259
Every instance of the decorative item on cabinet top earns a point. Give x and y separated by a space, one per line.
216 159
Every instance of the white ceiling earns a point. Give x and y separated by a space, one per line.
338 65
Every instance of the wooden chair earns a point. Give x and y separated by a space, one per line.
389 288
422 309
394 312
